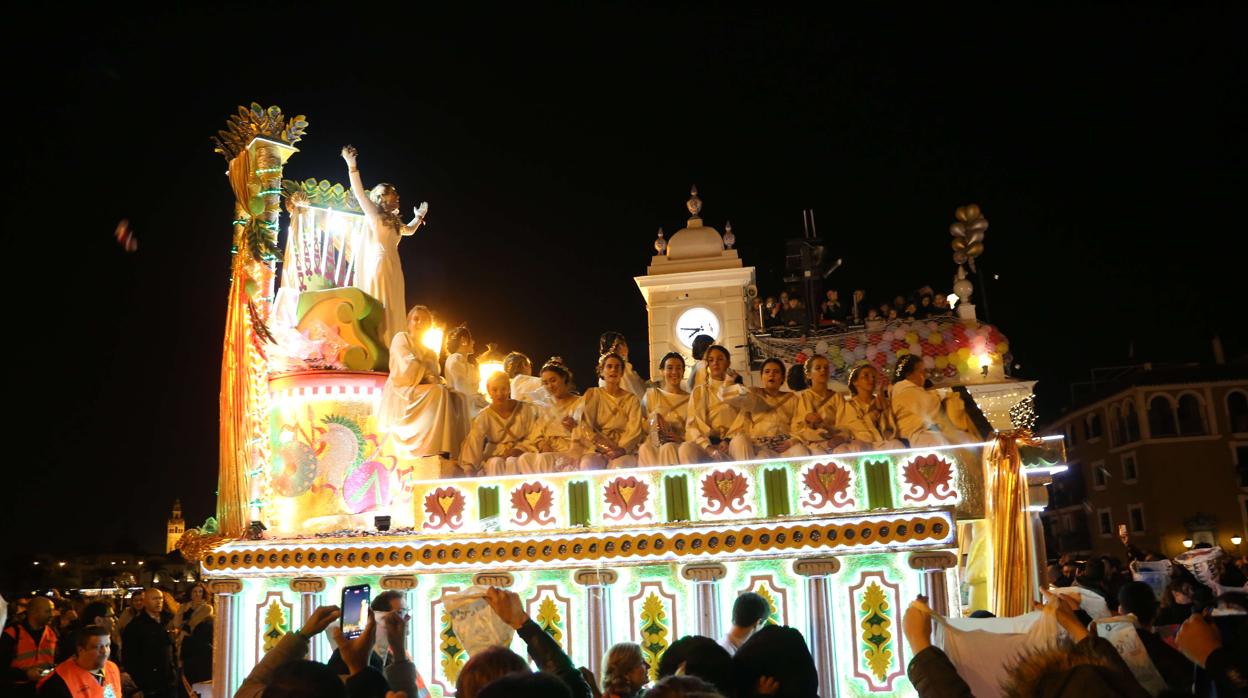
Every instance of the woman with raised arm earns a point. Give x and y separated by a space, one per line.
866 418
500 432
379 272
712 411
611 425
763 428
666 409
814 417
553 438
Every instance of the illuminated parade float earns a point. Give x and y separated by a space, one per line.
315 494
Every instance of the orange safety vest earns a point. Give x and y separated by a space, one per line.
83 683
28 654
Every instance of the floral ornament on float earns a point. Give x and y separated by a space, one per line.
828 485
445 507
532 503
626 496
928 477
724 492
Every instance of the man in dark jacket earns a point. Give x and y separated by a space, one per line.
147 649
1137 599
546 653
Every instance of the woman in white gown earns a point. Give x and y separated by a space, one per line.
918 411
420 414
555 447
866 418
614 343
500 433
462 374
379 272
666 409
611 426
763 427
712 414
814 417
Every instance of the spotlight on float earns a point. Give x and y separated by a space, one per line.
432 339
381 523
985 363
1187 542
489 362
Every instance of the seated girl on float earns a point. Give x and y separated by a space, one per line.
711 414
614 343
921 415
555 446
665 409
610 425
500 433
763 426
818 410
865 419
422 416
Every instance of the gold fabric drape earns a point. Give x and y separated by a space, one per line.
1007 513
233 484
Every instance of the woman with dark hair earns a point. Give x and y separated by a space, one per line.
614 343
195 624
866 418
763 428
462 373
697 372
553 437
918 411
818 406
666 408
611 425
379 272
712 413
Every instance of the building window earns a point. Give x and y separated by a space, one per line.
1161 417
1098 475
1191 415
1130 471
1239 457
1237 411
1105 523
1070 434
1115 426
1130 422
1135 518
1095 430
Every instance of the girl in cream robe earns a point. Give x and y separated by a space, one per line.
610 427
866 417
495 442
712 412
666 410
763 427
818 408
918 411
553 438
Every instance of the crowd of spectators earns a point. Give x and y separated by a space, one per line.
155 646
788 311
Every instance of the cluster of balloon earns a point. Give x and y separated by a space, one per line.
968 234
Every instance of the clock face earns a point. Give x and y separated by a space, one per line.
693 322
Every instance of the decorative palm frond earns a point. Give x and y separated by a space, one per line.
257 122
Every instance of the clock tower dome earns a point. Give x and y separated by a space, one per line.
696 284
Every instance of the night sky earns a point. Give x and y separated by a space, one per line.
1105 145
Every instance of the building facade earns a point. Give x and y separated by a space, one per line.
175 527
1161 457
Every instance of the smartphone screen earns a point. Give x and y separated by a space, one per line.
355 601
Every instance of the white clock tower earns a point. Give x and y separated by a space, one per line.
696 285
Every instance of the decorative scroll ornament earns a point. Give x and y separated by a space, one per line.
654 630
445 507
725 492
257 122
453 654
321 193
626 496
828 484
549 619
928 476
876 636
276 624
532 503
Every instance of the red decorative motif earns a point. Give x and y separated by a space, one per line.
725 491
828 484
532 503
626 496
445 507
928 477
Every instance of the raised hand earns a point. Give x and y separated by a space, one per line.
349 153
507 605
321 618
